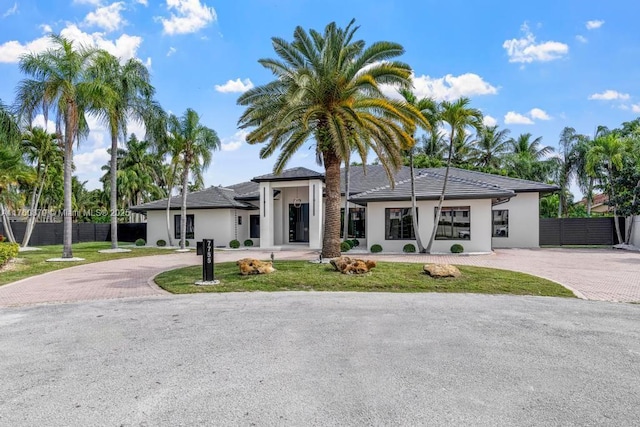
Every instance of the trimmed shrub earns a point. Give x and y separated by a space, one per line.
355 242
409 248
234 244
140 242
161 243
457 248
376 248
7 252
248 243
186 243
345 246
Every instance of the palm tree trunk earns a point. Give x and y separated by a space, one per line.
331 237
589 197
67 236
414 208
168 212
183 215
441 200
8 231
615 208
35 202
347 217
113 202
633 205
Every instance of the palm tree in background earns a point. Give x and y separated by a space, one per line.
490 147
42 150
192 143
566 166
429 110
59 83
327 88
131 95
459 117
12 168
528 158
608 152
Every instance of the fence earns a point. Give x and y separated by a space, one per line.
51 233
579 231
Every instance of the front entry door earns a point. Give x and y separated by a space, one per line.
299 223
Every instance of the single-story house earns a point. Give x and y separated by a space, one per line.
599 204
481 211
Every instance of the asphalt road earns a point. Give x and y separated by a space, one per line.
321 359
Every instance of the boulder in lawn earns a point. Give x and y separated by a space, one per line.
347 265
254 266
442 270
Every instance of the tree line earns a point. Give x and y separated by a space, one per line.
327 90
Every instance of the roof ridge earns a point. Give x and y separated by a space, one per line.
469 181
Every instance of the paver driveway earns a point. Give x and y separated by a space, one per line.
597 274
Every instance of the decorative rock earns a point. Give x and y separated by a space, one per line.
254 266
442 270
346 265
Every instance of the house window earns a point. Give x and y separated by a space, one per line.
190 226
254 226
356 223
399 224
455 223
239 220
500 223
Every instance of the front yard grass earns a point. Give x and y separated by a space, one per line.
386 277
32 263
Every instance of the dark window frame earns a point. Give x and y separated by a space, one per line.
502 230
465 212
191 220
405 226
253 235
354 232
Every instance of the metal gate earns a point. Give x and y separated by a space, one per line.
579 231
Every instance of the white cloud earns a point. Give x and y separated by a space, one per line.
172 50
234 142
124 47
635 108
11 11
595 24
46 28
147 63
106 17
581 39
452 87
38 121
143 2
526 50
91 2
489 121
513 118
235 86
190 17
609 95
538 114
90 161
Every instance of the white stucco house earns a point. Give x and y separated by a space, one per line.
481 211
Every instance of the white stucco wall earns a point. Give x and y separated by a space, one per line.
480 212
635 232
524 222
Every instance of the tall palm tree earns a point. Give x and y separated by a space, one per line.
327 88
193 143
42 150
566 166
131 92
525 147
12 167
490 146
608 151
429 110
459 117
59 82
587 179
528 159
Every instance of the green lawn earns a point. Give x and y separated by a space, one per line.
34 262
386 277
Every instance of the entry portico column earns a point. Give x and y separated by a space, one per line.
316 213
266 215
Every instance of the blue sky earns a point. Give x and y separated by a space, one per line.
529 66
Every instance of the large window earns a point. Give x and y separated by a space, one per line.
254 226
356 223
455 223
190 227
399 224
500 223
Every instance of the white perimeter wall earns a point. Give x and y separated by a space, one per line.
635 232
480 225
524 222
218 224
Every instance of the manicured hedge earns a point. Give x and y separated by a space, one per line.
409 248
234 244
7 252
345 246
457 248
376 248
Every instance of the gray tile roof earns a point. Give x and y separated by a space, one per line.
211 198
429 186
248 190
374 176
515 184
290 175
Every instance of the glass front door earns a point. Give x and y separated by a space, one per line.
299 223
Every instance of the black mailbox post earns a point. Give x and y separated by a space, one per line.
207 260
